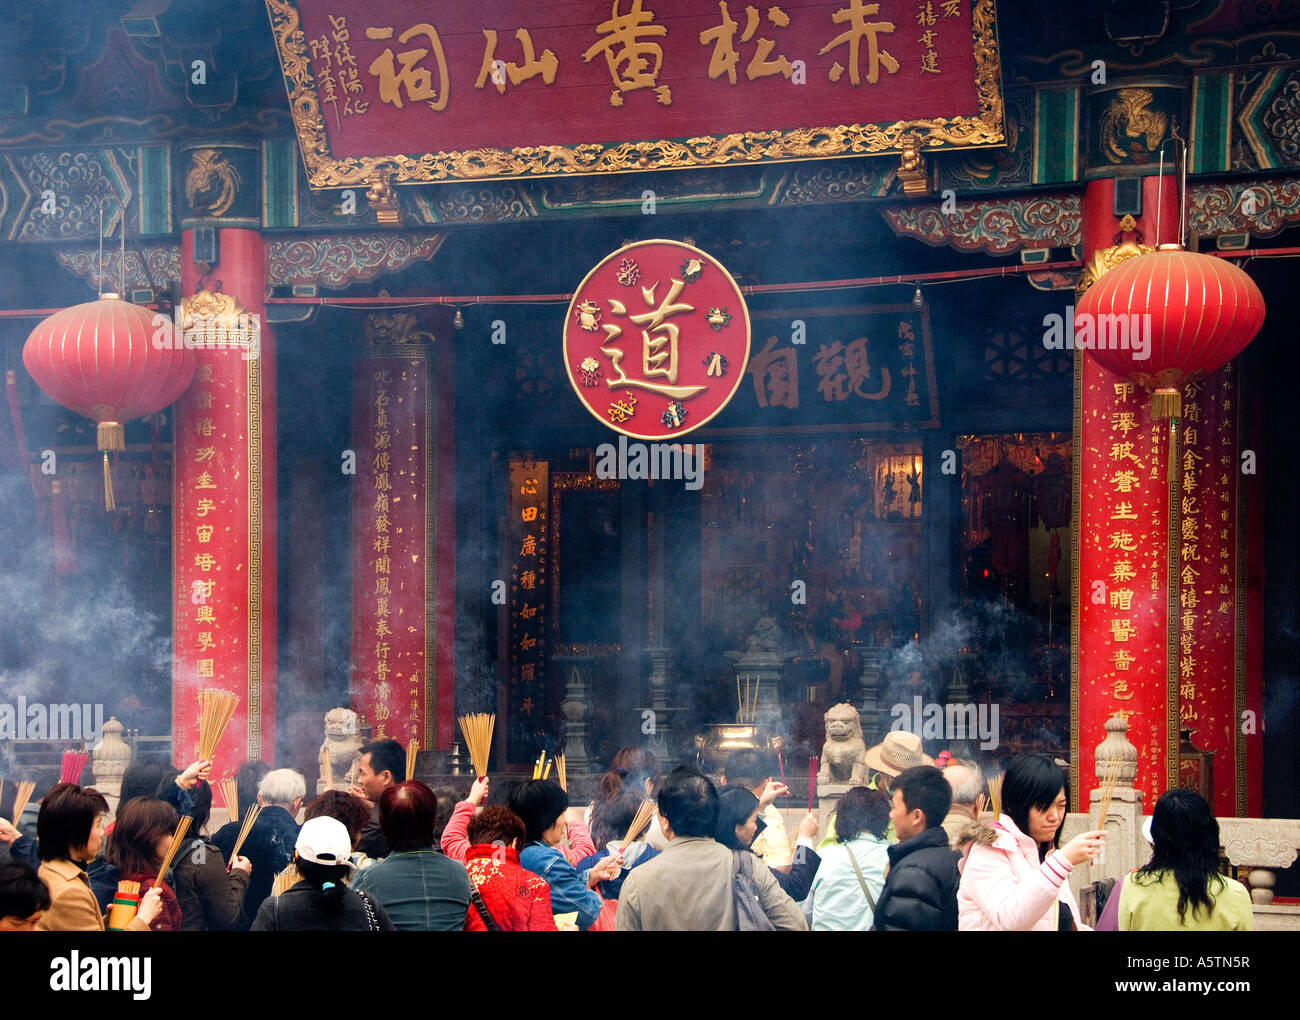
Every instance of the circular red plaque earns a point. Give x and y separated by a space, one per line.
656 339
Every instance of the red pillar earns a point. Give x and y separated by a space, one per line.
224 530
1124 645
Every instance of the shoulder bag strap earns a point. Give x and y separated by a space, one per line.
485 915
871 901
372 920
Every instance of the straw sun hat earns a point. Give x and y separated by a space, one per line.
898 751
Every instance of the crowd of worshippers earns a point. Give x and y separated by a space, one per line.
911 850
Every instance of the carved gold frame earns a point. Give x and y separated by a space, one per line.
324 170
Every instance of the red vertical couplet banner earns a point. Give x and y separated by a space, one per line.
1121 644
530 586
223 612
1209 683
394 573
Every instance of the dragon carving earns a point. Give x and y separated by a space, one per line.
209 174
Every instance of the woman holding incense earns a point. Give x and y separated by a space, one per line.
505 896
420 887
738 811
210 897
638 770
455 841
1014 876
610 822
543 807
140 840
321 900
1180 889
70 829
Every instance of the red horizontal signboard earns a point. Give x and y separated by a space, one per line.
470 89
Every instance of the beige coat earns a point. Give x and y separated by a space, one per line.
688 887
73 906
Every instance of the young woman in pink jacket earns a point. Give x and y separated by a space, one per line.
1015 877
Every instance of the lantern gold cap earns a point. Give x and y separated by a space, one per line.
108 295
1170 246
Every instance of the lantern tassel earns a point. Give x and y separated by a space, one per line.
111 437
1166 403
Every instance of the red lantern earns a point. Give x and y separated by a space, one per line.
1202 310
99 360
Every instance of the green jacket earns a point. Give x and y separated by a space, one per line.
1152 905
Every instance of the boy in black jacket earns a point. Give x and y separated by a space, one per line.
920 893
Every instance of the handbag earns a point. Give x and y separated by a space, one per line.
871 900
750 915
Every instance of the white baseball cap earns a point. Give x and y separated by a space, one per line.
324 840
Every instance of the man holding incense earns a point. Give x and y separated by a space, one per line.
382 765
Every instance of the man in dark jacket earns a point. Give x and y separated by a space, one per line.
920 893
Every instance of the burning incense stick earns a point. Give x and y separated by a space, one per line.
74 762
249 818
412 749
230 794
177 838
477 730
546 772
643 815
21 796
216 709
995 796
561 774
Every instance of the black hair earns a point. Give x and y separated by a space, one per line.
690 803
1185 834
924 787
248 777
747 767
862 810
501 792
539 804
22 892
1033 781
612 818
330 879
146 779
386 754
201 797
67 815
448 798
735 805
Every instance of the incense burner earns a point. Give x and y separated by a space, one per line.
714 746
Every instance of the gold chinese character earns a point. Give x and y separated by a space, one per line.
545 65
204 427
930 63
1123 481
381 628
204 453
1122 540
1119 688
1124 391
658 353
204 614
528 580
1122 630
203 401
1123 659
633 62
725 55
205 562
204 481
528 513
1123 571
1122 598
1124 512
416 80
206 668
529 548
205 640
1123 451
856 15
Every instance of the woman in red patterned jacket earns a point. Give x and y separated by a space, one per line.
514 899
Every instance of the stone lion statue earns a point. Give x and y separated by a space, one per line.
342 744
843 755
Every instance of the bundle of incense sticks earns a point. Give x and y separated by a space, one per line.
177 838
995 796
216 708
21 796
412 749
125 905
249 818
748 698
643 815
286 880
1107 792
477 729
326 771
73 764
230 794
561 774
